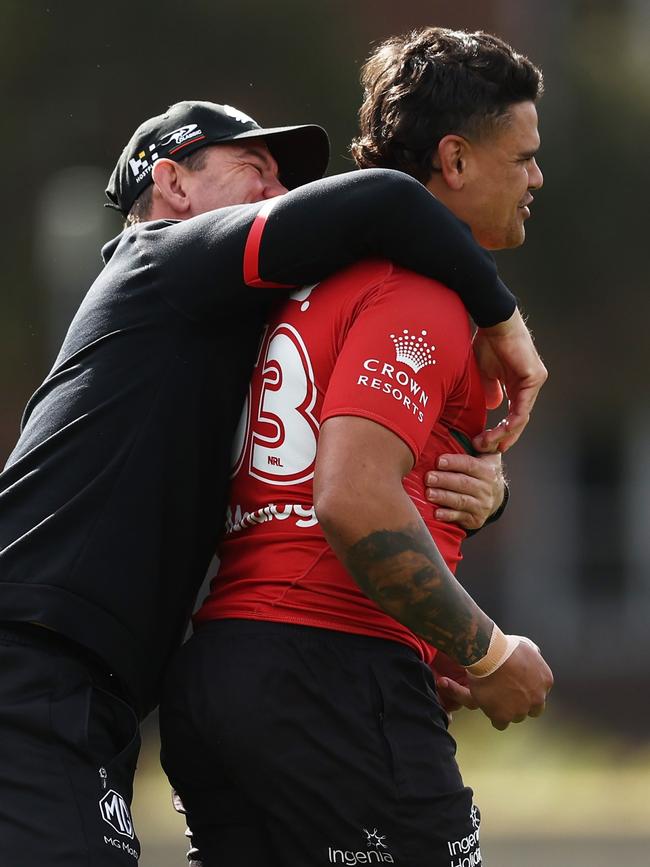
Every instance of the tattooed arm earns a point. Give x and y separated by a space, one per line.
386 545
403 572
378 534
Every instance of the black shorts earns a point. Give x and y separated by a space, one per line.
68 750
298 747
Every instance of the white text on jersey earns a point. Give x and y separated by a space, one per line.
236 521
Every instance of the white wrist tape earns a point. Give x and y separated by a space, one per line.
499 650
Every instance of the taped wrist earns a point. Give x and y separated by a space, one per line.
500 649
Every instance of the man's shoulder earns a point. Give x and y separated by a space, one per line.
380 282
404 277
382 272
129 237
360 274
430 297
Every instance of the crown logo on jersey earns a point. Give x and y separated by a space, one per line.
413 351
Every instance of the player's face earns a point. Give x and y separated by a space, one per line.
235 173
500 173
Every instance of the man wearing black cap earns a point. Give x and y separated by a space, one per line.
301 152
111 502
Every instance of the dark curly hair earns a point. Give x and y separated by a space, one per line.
430 83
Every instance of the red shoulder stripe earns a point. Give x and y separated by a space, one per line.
252 250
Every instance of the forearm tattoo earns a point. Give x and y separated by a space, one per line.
403 572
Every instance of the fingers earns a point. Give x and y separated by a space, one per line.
522 395
486 466
536 711
470 514
517 689
454 695
506 353
493 392
466 520
468 491
504 435
497 438
518 416
456 493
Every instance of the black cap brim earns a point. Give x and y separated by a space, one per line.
301 152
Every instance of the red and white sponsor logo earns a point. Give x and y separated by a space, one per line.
413 350
237 519
399 384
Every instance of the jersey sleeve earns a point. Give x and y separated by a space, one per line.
225 258
403 355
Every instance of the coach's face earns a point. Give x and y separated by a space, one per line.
236 173
488 182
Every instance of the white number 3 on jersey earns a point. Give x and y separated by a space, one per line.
278 437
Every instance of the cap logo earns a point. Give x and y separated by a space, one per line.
178 136
142 163
236 114
139 165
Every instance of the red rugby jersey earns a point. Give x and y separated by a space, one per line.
374 341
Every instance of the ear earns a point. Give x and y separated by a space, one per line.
169 189
453 153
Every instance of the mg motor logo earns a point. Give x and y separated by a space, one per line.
115 811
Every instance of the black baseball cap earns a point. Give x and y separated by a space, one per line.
301 152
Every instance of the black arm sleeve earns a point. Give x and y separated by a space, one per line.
316 230
326 225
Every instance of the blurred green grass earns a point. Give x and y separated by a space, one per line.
555 777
